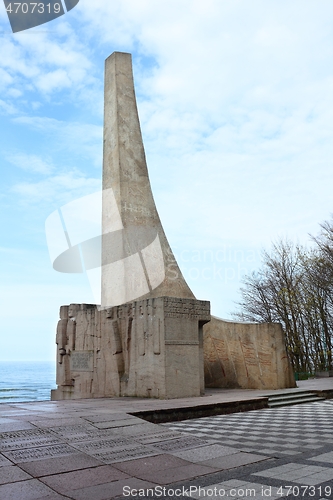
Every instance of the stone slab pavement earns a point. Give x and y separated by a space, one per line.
96 449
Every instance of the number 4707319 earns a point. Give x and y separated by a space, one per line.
32 7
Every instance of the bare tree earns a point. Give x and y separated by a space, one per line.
295 288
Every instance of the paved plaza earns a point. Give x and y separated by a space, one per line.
99 450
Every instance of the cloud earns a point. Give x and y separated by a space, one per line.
31 163
79 138
45 63
7 108
58 79
56 189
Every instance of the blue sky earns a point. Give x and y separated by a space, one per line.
235 101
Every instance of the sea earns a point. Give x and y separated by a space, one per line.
24 381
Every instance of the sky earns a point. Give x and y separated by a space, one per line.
235 100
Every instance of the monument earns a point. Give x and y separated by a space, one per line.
146 338
149 337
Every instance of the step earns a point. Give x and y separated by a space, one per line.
293 395
293 399
294 402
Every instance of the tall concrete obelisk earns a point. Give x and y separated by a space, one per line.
137 261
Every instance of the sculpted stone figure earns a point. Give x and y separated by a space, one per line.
63 369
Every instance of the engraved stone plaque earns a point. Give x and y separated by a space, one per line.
121 455
33 454
156 437
76 432
26 439
102 445
82 361
26 434
191 309
179 444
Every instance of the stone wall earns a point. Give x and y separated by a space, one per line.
246 355
147 348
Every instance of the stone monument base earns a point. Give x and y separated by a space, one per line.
148 348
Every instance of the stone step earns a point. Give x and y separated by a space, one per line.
293 398
291 395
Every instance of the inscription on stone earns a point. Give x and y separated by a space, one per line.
178 308
76 432
39 453
82 361
24 434
102 444
26 439
122 455
180 444
27 443
156 437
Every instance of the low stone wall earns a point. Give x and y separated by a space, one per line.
246 356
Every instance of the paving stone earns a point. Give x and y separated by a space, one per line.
50 466
56 421
151 464
25 490
15 425
309 475
107 417
174 475
324 457
4 461
108 491
139 429
12 473
234 460
118 423
66 482
315 479
205 453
